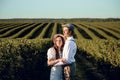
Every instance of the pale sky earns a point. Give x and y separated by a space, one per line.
59 9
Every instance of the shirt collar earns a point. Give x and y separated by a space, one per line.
70 38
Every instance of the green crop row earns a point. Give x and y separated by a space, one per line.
8 27
54 30
13 30
26 27
30 34
42 34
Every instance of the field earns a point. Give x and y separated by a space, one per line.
23 48
88 30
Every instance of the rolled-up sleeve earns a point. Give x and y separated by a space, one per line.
69 51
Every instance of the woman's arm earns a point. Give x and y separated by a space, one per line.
52 62
61 62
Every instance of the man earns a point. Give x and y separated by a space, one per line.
69 51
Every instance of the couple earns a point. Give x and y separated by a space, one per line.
61 55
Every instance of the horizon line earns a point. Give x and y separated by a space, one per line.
64 18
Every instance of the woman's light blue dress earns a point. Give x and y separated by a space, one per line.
56 71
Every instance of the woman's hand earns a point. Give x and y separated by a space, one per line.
60 60
64 60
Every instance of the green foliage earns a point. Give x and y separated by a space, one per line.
23 59
28 57
101 51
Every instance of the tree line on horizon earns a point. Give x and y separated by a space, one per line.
61 20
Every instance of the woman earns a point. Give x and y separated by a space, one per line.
54 55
